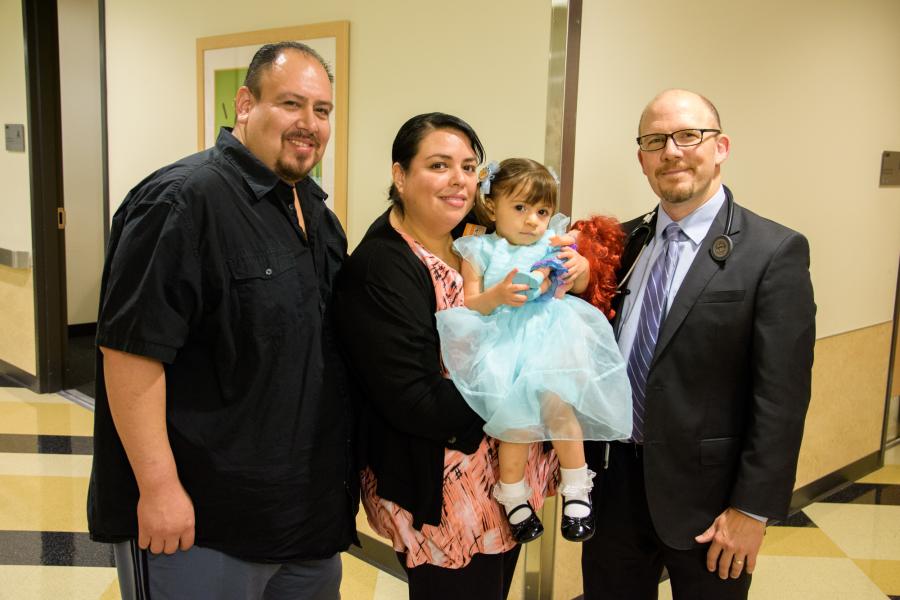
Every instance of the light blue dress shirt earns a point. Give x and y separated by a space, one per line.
695 227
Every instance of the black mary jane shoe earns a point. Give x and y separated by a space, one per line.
528 530
577 529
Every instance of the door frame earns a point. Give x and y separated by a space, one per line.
39 18
42 73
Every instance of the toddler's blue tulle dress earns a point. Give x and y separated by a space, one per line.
548 370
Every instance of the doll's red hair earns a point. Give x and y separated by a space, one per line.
601 241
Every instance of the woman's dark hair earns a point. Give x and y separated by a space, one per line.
406 143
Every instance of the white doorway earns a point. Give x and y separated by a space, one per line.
82 149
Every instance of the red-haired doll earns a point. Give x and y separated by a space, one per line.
601 241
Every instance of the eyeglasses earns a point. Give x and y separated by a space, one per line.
685 137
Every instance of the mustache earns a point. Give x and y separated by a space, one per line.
303 136
667 168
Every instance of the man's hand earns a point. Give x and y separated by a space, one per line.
165 519
736 539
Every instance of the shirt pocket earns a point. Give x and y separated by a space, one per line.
267 291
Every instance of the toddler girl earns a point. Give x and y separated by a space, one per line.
534 363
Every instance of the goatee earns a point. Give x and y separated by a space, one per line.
289 173
678 194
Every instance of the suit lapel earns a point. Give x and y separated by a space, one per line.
698 276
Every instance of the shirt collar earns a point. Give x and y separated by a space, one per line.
696 225
258 176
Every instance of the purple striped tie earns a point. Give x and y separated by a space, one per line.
653 308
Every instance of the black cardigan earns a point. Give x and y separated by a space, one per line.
408 411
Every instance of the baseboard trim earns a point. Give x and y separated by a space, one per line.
17 376
79 398
82 329
833 482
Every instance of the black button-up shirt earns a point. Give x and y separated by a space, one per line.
208 272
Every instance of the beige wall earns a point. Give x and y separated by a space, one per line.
808 91
15 205
79 56
484 61
17 341
846 411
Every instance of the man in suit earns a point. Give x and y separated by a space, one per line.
717 326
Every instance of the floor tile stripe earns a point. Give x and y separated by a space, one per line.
26 582
46 444
45 418
44 503
53 548
45 465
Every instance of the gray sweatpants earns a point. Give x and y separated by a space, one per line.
204 574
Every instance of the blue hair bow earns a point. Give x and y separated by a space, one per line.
486 176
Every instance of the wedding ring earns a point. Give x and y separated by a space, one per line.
738 562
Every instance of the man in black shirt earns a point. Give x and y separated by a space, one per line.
222 461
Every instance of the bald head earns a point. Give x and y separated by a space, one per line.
680 99
684 174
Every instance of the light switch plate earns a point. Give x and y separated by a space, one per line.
15 137
890 168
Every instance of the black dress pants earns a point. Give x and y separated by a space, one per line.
625 558
486 577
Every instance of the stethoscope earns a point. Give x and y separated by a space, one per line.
720 250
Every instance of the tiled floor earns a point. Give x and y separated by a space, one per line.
847 547
45 552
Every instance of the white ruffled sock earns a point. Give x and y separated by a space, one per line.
576 484
511 495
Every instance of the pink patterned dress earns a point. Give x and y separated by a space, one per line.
472 522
